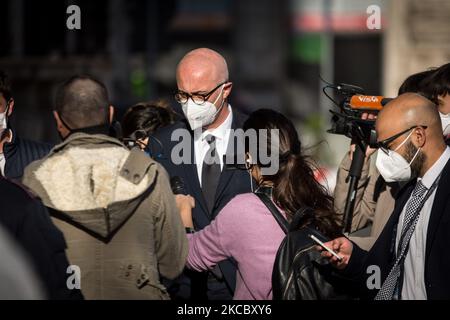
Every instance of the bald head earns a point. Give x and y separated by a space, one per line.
421 146
406 111
201 70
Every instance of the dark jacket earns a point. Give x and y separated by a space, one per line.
18 280
231 183
437 258
19 153
28 221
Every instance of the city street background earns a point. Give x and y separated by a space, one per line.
276 52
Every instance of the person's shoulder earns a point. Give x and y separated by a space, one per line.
17 197
36 146
239 117
160 170
247 202
137 165
11 189
243 212
162 142
166 132
245 197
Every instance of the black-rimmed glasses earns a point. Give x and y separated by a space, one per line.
384 145
198 98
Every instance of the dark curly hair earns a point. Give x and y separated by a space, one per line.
148 117
438 83
417 83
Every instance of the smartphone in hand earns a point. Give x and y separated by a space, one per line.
320 243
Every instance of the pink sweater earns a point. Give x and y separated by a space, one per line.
245 230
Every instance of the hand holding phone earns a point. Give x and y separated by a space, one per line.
320 243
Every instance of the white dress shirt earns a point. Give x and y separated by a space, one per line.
414 267
2 164
2 155
222 135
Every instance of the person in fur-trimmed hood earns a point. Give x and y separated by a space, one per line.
114 206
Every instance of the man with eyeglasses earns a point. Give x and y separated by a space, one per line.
203 92
411 253
15 153
375 197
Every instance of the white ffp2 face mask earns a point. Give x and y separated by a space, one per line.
200 116
445 119
393 167
3 120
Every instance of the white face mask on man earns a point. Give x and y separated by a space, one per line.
4 120
203 115
392 166
445 119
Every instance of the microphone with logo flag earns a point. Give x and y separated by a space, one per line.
349 121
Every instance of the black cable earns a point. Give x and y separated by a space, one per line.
324 90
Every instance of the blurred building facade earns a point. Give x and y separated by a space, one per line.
418 38
276 51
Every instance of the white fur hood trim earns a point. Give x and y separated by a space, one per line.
87 178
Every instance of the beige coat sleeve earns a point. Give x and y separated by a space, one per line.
384 208
364 205
364 243
170 234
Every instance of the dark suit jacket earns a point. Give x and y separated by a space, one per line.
437 255
231 183
19 153
30 225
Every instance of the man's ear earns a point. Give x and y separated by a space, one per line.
227 90
10 107
59 124
111 114
420 137
63 131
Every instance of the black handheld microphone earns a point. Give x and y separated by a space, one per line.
177 185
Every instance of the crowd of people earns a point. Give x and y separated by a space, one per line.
100 216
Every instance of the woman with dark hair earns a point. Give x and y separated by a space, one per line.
143 119
245 229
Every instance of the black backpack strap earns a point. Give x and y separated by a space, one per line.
282 222
299 216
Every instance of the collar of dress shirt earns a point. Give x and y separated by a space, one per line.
436 169
221 132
